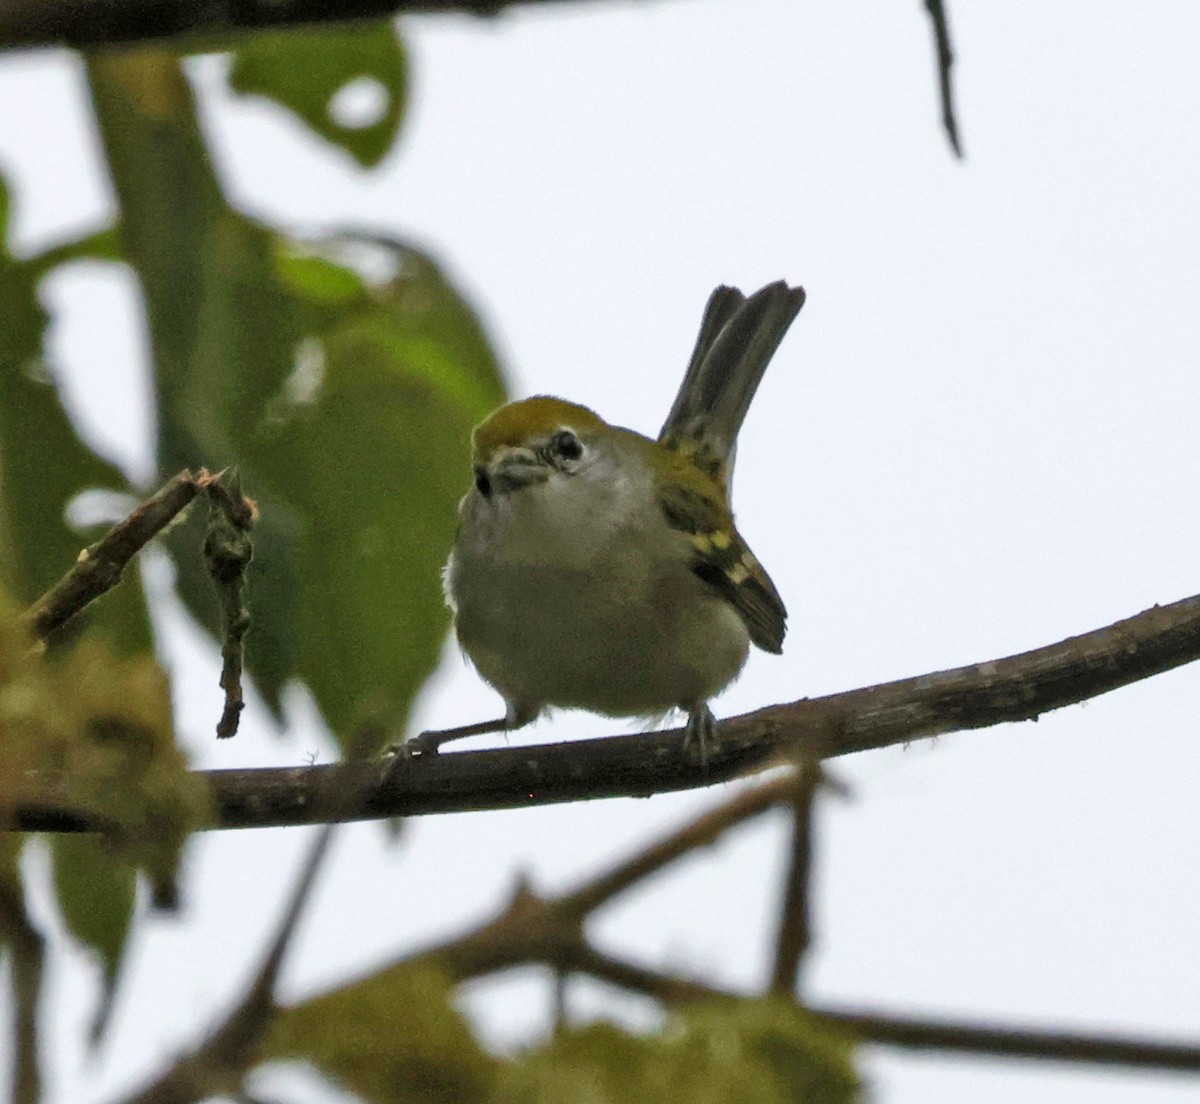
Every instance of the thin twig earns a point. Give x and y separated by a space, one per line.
99 567
794 934
706 829
964 1038
945 61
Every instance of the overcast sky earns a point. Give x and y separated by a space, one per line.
979 437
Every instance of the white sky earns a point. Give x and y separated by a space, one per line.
978 438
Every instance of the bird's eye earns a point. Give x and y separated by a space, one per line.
567 445
482 483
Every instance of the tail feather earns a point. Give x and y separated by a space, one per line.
738 336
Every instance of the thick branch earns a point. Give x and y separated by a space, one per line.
1018 688
91 23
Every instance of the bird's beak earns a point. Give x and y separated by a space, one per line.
509 470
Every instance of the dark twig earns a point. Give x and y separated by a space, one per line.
228 551
99 567
945 61
794 934
219 1064
1063 1046
560 1006
706 829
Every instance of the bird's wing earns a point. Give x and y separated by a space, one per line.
723 560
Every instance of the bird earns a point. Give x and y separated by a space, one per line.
598 569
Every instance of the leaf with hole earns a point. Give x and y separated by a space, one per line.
349 85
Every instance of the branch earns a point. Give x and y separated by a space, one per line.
1009 1042
550 931
794 930
99 567
1018 688
91 23
945 60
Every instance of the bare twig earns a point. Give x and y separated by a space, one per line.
99 567
549 929
1061 1046
706 829
945 61
794 934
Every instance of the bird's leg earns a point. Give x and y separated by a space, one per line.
428 743
701 739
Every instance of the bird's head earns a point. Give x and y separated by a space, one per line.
524 443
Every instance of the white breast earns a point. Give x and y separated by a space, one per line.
576 593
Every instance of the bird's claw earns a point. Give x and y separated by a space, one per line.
701 739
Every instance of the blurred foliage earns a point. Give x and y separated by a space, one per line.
345 400
44 464
46 720
754 1052
395 1038
341 378
90 731
392 1038
306 70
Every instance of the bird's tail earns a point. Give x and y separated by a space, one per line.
738 336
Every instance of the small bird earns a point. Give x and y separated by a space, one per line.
597 569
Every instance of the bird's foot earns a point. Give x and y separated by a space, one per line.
701 740
431 741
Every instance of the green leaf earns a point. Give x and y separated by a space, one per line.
44 465
96 891
392 1038
370 451
345 401
222 328
755 1052
306 70
24 948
